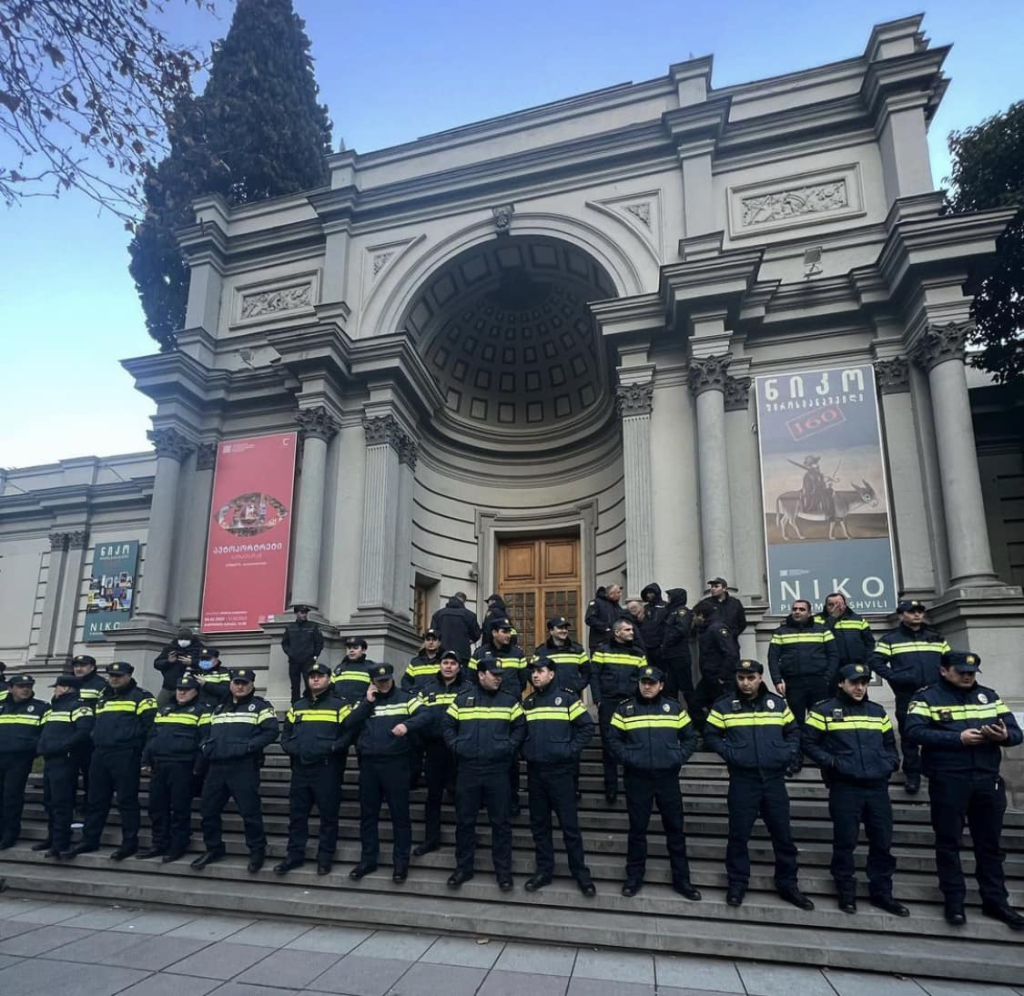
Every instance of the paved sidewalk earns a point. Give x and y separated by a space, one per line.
54 949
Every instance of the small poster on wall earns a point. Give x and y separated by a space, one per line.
111 596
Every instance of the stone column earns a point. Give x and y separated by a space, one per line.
407 454
707 382
51 600
318 426
634 402
171 449
192 570
746 505
70 594
384 440
913 542
940 352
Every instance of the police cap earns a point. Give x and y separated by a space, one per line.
382 672
21 679
541 662
209 653
67 681
557 621
963 661
317 668
120 667
243 674
503 623
84 659
300 607
911 605
186 682
488 662
451 655
431 634
651 673
355 641
748 666
855 672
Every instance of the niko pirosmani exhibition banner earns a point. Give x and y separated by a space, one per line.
111 594
823 485
249 534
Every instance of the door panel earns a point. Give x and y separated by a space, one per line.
540 578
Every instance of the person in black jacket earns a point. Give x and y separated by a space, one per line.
802 659
238 733
313 739
124 717
495 610
757 736
20 716
213 677
170 758
652 627
962 728
458 626
91 685
66 729
302 643
728 608
854 640
850 738
174 660
652 737
676 660
602 614
424 665
570 660
718 653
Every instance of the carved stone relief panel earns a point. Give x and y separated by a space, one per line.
270 300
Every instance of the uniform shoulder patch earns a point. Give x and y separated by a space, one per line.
724 630
982 698
770 703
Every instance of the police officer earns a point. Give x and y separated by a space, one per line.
91 686
652 736
313 740
352 674
803 660
676 660
718 653
616 665
380 726
435 696
124 717
962 727
484 727
66 728
909 658
213 677
728 608
302 643
850 738
236 736
854 640
170 758
424 665
756 734
21 714
571 662
558 727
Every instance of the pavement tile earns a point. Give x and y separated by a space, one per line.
329 940
949 987
691 972
270 933
12 907
42 939
874 984
153 923
673 991
356 976
210 928
155 953
463 951
53 913
579 986
171 985
6 961
248 989
429 980
223 960
101 919
536 959
9 928
614 966
395 944
288 969
40 977
765 979
500 983
96 947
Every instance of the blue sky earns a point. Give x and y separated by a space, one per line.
392 71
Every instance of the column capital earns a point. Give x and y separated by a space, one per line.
709 373
737 394
59 541
317 423
939 343
893 375
408 451
168 442
78 539
384 430
206 456
634 399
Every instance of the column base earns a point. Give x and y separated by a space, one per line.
968 582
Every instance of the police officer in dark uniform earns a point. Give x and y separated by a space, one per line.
558 727
213 677
91 686
424 665
728 608
21 715
802 659
718 653
616 665
484 727
961 727
756 734
570 660
124 717
909 658
169 758
379 724
66 728
313 740
352 673
851 739
855 642
238 733
652 736
435 696
302 643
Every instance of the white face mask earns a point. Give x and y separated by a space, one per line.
184 643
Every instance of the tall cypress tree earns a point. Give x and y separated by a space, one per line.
256 132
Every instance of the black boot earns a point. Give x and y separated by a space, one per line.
794 896
218 854
288 864
43 845
256 859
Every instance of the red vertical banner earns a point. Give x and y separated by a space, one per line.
249 535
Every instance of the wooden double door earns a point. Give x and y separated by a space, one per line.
539 578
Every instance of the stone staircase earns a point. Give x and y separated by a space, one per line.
764 928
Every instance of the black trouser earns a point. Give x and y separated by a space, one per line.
679 679
384 779
803 691
82 759
642 791
980 800
14 772
296 670
552 789
476 786
113 772
605 710
60 779
910 751
313 785
849 805
170 804
237 779
417 755
440 770
708 691
752 794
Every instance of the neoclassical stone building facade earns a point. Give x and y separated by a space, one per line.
520 353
